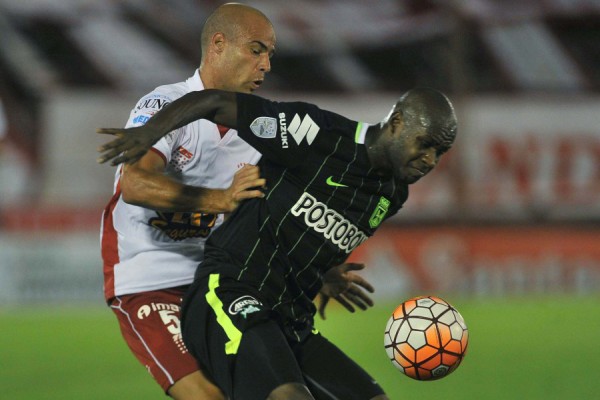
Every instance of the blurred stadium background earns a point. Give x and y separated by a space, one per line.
512 215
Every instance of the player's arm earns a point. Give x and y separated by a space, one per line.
132 143
346 287
144 184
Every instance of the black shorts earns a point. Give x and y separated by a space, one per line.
236 339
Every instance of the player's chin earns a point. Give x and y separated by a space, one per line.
255 85
411 178
414 175
246 88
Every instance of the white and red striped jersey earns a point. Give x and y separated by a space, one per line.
144 249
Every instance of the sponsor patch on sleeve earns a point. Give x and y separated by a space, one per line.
151 104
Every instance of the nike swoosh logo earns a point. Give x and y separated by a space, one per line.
330 182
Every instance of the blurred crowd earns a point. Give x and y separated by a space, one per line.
332 47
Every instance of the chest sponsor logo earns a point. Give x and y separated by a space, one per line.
301 128
330 223
264 127
180 226
245 305
379 212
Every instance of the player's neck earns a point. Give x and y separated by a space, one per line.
375 149
207 77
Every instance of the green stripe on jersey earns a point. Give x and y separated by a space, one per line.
233 333
357 133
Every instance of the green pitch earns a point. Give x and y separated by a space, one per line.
543 348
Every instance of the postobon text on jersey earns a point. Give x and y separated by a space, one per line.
332 225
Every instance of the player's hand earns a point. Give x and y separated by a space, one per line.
129 146
245 185
346 287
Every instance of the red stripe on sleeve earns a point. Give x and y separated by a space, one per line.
110 246
160 154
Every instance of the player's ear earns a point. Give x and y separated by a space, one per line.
218 42
396 121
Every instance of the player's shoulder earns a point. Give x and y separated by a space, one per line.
156 100
164 93
172 90
257 104
305 113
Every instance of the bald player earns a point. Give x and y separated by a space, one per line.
249 315
166 205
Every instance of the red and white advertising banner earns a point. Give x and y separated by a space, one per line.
517 158
481 261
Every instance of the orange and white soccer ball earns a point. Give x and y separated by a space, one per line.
426 338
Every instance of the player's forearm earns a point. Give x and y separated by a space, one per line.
214 105
161 193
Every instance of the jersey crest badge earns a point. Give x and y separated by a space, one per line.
264 127
379 213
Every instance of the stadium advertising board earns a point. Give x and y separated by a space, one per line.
509 260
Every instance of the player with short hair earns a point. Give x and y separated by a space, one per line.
248 316
165 205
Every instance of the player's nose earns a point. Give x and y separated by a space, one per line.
265 63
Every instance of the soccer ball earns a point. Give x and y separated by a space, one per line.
426 338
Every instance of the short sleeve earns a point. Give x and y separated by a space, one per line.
144 109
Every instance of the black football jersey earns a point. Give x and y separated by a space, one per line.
322 200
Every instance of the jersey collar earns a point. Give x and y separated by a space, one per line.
194 82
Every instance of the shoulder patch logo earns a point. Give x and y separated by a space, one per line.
264 127
379 212
305 128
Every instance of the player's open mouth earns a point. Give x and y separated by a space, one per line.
257 83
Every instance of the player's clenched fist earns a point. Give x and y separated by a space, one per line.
246 184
